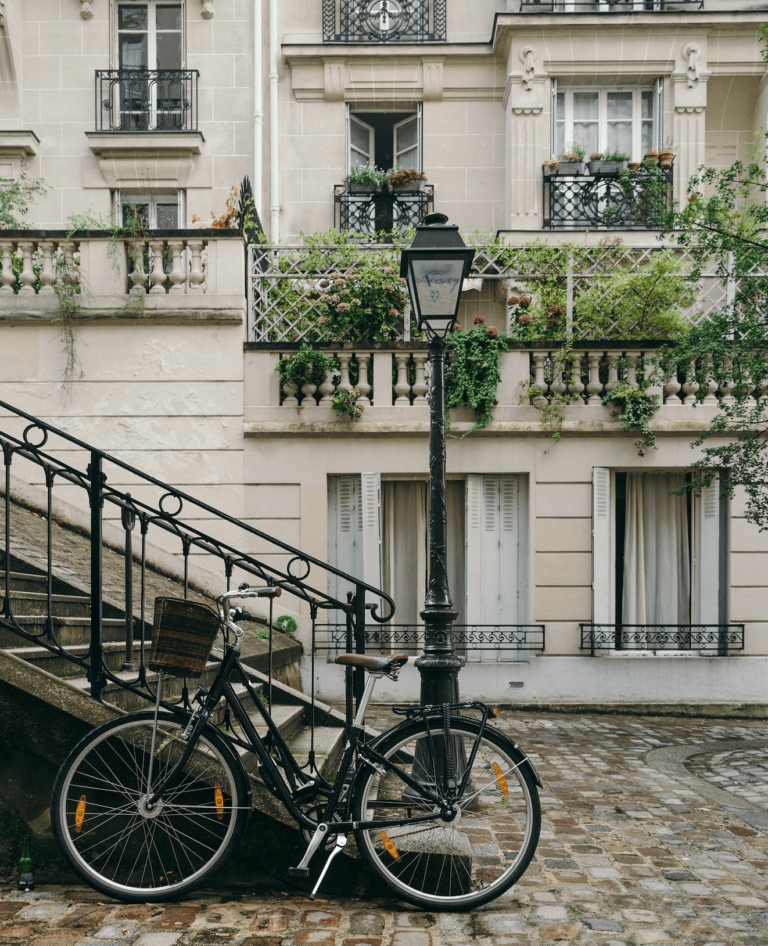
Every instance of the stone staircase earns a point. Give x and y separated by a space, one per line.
35 725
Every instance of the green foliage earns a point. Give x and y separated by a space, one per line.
472 377
16 198
305 366
367 175
345 403
364 302
616 156
286 624
642 304
637 408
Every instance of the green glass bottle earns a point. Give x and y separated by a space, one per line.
26 870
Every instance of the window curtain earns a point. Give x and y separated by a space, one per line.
657 567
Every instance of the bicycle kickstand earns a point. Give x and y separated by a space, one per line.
341 843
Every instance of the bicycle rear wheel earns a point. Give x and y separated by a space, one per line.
472 859
118 846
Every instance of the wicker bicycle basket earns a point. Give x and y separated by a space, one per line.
182 636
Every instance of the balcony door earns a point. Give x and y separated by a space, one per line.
150 85
384 139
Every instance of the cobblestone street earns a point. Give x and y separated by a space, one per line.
630 854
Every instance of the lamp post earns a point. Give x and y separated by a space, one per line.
435 266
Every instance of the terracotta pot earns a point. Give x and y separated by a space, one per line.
634 165
666 158
652 158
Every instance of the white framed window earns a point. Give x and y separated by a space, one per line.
609 121
156 211
150 35
383 139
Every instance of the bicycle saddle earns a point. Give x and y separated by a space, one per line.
373 664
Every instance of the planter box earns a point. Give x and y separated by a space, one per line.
570 168
606 167
412 187
361 188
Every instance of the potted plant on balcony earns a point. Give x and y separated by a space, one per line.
652 158
550 167
405 179
609 164
364 180
572 162
667 155
595 160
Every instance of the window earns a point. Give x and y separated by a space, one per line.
149 35
154 211
609 121
384 139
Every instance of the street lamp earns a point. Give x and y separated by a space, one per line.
435 266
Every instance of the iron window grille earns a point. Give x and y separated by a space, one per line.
136 100
481 638
609 6
602 201
384 21
382 209
711 639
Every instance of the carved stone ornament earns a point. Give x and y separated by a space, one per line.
527 111
86 9
691 53
207 12
526 55
689 109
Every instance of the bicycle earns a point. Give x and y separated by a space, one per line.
443 807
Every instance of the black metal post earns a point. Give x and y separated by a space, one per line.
128 517
96 653
439 666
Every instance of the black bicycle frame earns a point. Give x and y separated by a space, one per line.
221 687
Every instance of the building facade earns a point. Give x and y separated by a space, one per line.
577 572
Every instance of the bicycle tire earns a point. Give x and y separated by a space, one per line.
457 865
125 851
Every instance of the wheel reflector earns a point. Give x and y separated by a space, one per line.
500 780
389 846
219 797
80 814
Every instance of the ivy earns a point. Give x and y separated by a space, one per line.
472 377
305 366
637 408
15 200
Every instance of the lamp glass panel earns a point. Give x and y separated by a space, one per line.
437 285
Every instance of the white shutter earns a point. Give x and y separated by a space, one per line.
406 143
706 604
602 612
345 549
371 531
492 553
361 143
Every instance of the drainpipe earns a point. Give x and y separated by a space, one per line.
274 150
258 106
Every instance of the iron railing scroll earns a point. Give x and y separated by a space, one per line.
486 640
609 6
384 21
710 639
380 210
137 100
86 478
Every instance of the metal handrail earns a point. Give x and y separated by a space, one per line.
292 578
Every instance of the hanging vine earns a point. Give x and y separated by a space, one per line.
472 377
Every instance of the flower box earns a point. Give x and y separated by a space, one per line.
360 188
606 167
571 167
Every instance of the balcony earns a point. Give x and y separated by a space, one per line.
386 21
603 201
712 640
609 6
380 210
152 100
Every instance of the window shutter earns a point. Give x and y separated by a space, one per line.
345 549
552 117
706 604
659 116
602 612
371 531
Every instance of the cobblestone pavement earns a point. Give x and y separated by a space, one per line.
628 856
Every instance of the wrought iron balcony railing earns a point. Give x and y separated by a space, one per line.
605 201
715 640
381 210
482 642
384 21
146 100
609 6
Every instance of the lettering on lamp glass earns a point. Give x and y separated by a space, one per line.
437 285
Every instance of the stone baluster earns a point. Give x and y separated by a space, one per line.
290 390
633 358
728 384
710 386
594 387
691 386
576 385
363 358
67 272
672 390
327 388
7 277
557 383
402 387
196 274
157 276
177 275
27 276
308 401
47 275
344 359
138 277
420 386
539 359
613 370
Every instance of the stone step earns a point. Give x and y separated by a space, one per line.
59 666
329 746
69 631
24 581
36 603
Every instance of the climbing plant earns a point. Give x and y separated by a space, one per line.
637 407
473 375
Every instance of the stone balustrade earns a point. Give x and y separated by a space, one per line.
165 269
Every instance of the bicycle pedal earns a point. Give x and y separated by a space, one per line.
298 872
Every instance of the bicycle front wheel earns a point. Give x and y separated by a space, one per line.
133 852
471 859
